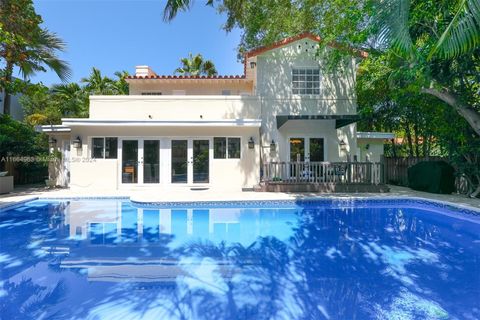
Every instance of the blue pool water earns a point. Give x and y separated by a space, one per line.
111 259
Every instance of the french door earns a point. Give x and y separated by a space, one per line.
190 161
306 149
183 161
140 161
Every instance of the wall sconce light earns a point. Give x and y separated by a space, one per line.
52 142
251 143
343 145
367 146
273 146
77 143
253 64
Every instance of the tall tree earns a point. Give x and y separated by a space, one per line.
196 66
24 44
120 85
98 84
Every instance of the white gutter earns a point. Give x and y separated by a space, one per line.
375 135
53 128
163 123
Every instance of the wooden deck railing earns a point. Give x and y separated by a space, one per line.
369 173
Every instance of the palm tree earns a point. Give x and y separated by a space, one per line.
120 85
196 66
31 58
460 36
73 99
97 84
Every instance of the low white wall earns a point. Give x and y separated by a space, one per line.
93 174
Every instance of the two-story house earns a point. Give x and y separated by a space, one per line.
215 132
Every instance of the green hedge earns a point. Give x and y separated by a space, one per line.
432 176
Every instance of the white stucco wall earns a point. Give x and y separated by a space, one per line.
191 87
225 174
375 149
271 82
174 107
337 97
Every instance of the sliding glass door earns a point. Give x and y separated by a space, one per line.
201 161
151 161
140 163
129 161
190 161
179 161
182 161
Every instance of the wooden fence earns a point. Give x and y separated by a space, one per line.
368 173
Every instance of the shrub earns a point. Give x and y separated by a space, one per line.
432 176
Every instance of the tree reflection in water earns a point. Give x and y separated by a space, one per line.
303 262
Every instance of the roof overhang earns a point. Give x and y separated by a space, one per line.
54 128
340 120
305 35
163 123
375 135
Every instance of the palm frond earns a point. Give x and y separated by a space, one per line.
462 33
173 6
392 23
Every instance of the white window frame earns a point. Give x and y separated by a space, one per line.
104 145
226 147
295 68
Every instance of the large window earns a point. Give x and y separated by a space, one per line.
104 148
226 148
306 81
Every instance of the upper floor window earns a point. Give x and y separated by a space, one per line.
306 81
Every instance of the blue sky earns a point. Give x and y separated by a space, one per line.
115 35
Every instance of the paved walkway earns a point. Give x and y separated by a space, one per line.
183 194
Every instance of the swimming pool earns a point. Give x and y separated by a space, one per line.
329 259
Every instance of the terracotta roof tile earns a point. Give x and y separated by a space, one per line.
187 77
283 42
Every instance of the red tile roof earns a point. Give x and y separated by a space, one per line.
305 35
252 53
187 77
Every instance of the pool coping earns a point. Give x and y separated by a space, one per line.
463 208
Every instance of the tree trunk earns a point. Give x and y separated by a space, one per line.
409 139
7 96
469 114
394 148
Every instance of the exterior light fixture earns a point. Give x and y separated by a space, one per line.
77 143
253 64
367 146
52 142
273 146
343 145
251 143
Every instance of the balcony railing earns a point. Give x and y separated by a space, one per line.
351 173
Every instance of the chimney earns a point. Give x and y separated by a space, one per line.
144 71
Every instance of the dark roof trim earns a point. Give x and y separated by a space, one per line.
340 120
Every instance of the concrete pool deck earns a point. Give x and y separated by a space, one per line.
187 195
